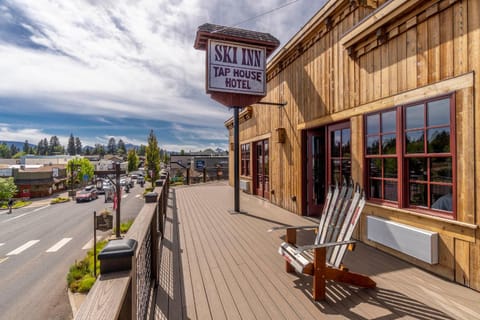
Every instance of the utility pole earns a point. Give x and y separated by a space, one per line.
117 172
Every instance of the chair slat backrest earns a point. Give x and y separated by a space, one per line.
341 211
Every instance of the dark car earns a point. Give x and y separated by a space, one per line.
88 194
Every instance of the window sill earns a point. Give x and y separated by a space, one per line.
426 216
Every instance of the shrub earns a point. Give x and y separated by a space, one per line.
59 200
80 276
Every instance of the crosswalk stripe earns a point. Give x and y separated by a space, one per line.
23 248
89 244
59 245
3 259
1 244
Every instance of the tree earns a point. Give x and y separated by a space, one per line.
8 189
54 146
121 149
26 147
5 151
42 147
99 149
78 146
112 146
142 150
77 168
132 160
152 158
13 149
71 146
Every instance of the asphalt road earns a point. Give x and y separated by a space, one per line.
38 244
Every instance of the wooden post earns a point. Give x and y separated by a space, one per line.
119 198
319 270
236 155
204 174
291 237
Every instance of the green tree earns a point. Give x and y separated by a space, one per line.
26 147
77 168
71 145
142 150
121 149
8 189
5 151
132 160
54 147
152 158
18 155
78 145
112 146
13 149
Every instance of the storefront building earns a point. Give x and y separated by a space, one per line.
384 93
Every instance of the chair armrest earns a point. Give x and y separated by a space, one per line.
292 227
323 245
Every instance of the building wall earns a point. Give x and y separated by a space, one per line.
431 48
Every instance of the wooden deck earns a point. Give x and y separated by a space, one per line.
218 265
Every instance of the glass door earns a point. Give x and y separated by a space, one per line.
261 169
316 172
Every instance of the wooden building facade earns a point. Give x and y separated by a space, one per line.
383 92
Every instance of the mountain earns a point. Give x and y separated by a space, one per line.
17 144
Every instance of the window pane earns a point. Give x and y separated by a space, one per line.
373 144
389 144
414 141
346 143
417 169
439 140
415 117
373 124
346 170
389 121
441 170
390 168
335 143
336 178
375 166
375 189
439 112
442 198
390 192
418 194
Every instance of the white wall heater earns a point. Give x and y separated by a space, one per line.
245 185
412 241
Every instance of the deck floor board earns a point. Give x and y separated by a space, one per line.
219 265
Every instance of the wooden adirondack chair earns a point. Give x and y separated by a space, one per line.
323 259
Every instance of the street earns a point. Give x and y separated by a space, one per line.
38 244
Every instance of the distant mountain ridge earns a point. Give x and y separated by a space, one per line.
17 144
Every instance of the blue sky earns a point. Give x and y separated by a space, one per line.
119 68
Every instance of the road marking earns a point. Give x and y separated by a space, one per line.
26 213
59 245
124 196
89 244
23 248
138 196
3 259
1 244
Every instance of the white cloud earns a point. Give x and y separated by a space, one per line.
129 59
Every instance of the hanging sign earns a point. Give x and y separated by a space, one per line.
236 68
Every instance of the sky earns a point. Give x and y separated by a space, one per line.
98 69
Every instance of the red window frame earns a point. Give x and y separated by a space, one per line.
245 159
406 159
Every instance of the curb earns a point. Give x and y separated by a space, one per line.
76 300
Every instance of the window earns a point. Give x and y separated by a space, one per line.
245 159
381 154
410 158
339 154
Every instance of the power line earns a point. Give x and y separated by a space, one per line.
258 16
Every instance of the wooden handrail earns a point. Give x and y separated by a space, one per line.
126 294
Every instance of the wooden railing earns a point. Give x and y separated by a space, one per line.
127 294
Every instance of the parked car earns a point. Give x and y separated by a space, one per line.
140 180
87 194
